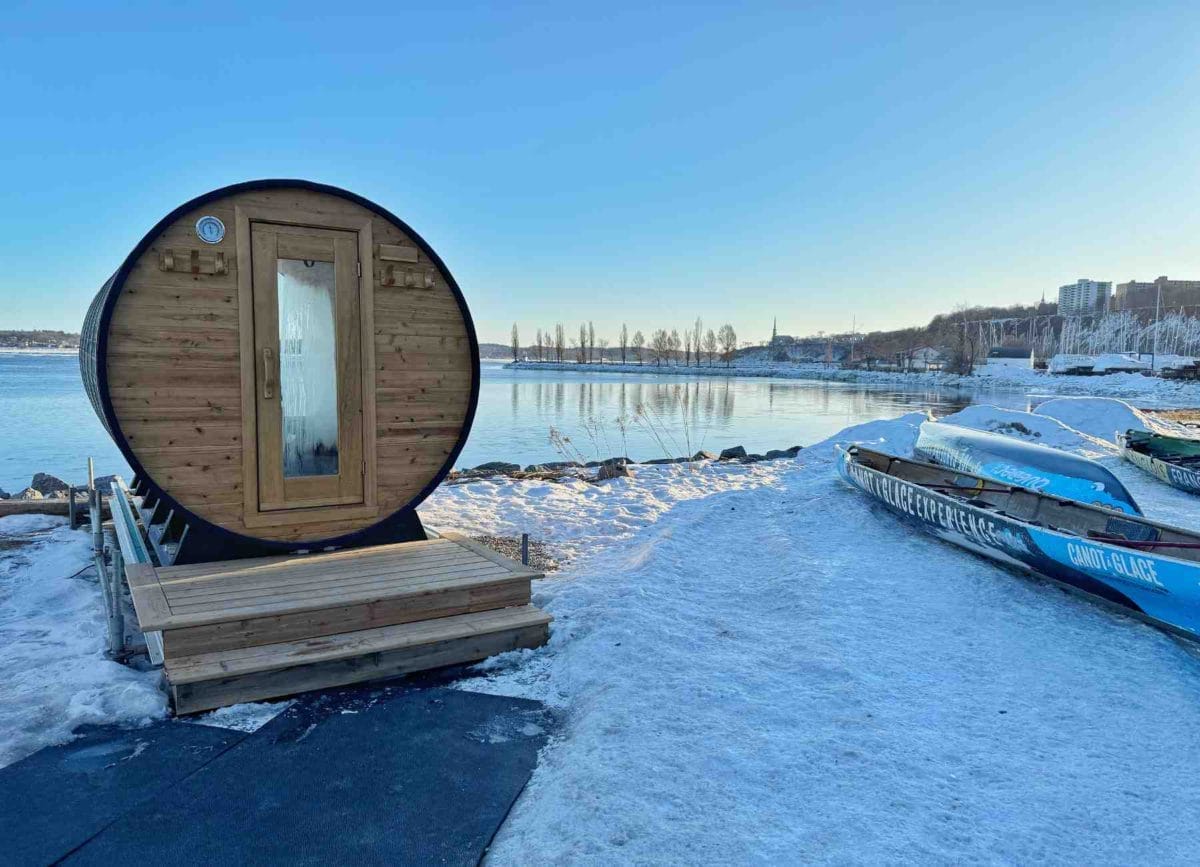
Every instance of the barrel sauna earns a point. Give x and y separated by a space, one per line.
286 366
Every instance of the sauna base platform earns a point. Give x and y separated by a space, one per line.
247 630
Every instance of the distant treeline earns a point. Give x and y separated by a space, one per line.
38 338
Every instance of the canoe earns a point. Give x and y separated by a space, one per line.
1147 569
1174 460
1014 462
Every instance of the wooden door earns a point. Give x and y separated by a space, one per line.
308 364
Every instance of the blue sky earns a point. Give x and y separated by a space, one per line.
624 163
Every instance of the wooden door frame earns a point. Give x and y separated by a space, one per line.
244 215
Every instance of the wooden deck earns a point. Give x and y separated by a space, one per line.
246 630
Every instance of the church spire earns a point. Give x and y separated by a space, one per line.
774 328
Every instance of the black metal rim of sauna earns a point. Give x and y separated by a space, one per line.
401 525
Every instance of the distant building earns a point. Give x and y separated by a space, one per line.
1083 296
1010 356
1175 293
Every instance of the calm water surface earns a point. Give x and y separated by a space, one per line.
47 424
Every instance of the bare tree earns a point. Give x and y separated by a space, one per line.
710 346
591 340
660 345
697 337
603 344
560 342
687 348
728 338
624 341
538 345
516 343
639 341
675 343
581 349
966 345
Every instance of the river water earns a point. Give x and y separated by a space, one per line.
47 424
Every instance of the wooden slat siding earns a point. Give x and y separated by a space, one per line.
282 655
199 315
199 696
320 622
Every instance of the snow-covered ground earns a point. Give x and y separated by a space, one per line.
54 676
756 664
1146 390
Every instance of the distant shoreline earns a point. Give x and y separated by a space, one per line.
1176 393
38 350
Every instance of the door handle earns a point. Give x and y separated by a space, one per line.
268 359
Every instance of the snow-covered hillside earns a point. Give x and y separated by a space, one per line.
756 664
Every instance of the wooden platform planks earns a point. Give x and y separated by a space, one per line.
204 681
251 629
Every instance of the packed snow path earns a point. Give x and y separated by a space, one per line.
780 672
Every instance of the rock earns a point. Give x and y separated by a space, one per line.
703 455
794 450
46 484
104 484
614 471
553 465
752 459
4 495
663 460
622 462
732 453
496 467
773 454
29 494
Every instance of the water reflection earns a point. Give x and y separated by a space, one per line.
658 416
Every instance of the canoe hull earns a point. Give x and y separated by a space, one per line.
1011 461
1160 589
1175 476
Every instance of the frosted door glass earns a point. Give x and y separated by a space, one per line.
308 368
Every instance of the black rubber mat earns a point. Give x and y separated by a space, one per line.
367 776
60 797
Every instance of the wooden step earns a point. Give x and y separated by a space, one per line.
208 680
248 603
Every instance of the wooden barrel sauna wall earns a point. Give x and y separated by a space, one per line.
287 364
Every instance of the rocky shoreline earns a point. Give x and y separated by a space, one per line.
610 468
44 486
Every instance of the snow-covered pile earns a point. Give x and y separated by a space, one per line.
1036 428
54 676
1104 418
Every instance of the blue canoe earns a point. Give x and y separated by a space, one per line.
1039 468
1174 460
1150 570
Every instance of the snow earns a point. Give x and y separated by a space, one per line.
1147 390
754 663
758 665
54 676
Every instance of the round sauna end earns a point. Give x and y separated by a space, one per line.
284 362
